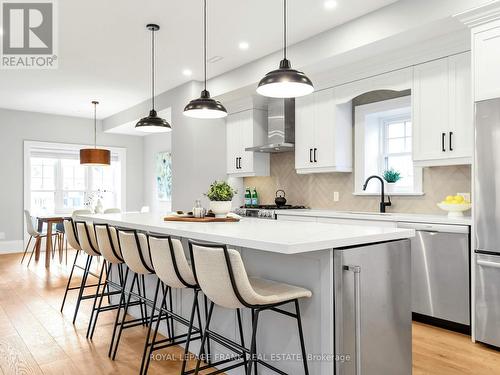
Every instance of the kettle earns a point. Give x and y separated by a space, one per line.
280 199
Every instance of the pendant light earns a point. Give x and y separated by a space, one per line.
205 107
95 156
285 82
153 123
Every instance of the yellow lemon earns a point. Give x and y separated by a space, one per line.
449 198
459 199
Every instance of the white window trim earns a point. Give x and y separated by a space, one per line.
359 147
29 145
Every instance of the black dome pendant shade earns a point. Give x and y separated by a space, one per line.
153 123
285 82
205 107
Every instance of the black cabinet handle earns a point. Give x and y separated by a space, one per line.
442 142
451 145
239 163
310 155
315 155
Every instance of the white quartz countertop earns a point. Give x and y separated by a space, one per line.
388 216
286 237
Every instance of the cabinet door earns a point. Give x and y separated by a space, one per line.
430 110
245 130
486 62
461 128
232 141
304 131
324 129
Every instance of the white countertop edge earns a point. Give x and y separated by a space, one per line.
276 247
396 216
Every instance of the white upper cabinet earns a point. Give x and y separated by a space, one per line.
442 112
486 47
246 129
323 134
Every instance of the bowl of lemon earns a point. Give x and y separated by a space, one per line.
455 205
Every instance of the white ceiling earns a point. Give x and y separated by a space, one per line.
104 48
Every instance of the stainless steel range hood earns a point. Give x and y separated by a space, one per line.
280 127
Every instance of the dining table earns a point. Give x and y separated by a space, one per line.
50 220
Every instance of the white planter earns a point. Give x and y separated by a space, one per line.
220 208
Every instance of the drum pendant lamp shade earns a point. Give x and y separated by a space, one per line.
95 156
285 82
205 107
153 123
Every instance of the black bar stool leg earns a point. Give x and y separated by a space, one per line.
157 325
82 286
209 360
92 313
253 347
242 339
205 336
134 279
69 280
301 336
151 319
190 330
120 304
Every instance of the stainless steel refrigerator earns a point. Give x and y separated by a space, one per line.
487 222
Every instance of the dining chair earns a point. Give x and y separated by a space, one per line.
33 233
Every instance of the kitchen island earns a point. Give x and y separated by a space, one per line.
356 274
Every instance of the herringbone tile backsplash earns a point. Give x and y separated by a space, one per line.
316 190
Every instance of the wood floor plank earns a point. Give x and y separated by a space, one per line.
15 358
36 338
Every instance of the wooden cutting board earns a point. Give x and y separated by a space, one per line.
205 219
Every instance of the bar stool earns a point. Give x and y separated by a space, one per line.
109 247
136 254
221 274
72 238
173 269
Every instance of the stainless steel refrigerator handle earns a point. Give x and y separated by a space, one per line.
357 311
486 263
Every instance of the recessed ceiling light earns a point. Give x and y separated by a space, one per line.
187 72
330 4
243 45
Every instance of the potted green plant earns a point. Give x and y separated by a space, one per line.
220 195
391 176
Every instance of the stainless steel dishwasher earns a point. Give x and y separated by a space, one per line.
440 271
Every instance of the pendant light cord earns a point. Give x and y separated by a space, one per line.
95 124
205 41
284 29
153 68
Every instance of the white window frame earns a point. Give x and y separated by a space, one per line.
394 108
30 145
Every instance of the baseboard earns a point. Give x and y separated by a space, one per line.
9 247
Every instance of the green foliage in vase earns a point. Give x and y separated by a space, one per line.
220 191
391 175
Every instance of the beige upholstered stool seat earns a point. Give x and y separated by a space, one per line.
270 292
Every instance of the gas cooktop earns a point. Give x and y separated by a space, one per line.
274 207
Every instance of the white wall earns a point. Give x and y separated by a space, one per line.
18 126
198 146
153 144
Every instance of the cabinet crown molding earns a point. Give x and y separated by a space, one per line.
480 15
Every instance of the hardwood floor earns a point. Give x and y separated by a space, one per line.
35 338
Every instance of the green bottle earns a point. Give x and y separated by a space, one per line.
255 198
248 197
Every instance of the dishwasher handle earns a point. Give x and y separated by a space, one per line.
439 228
357 311
486 263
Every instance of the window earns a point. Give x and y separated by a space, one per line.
59 184
383 141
